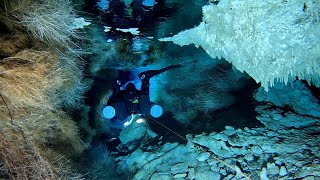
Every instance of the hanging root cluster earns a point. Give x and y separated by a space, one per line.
38 78
50 21
21 160
35 133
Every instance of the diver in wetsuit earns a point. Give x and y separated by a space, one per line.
123 103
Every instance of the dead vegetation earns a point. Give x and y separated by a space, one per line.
22 160
34 130
50 21
37 137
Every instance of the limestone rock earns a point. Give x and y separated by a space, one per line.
309 178
272 119
220 136
272 169
269 42
178 176
256 150
135 131
249 157
162 176
203 156
309 171
288 106
179 168
191 174
207 175
283 171
223 171
229 131
295 151
237 141
297 96
230 176
264 174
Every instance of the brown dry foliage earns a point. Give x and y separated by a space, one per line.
24 78
22 159
36 137
34 132
50 21
38 79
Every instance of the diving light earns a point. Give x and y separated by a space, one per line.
156 111
108 112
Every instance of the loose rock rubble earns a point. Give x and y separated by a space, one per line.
287 148
258 153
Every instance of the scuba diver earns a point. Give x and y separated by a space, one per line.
124 103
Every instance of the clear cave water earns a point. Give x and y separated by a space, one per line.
165 18
160 89
239 114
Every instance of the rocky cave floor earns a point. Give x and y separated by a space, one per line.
286 146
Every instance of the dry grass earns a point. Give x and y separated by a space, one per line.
35 133
53 129
22 160
36 137
27 82
67 73
51 21
24 78
38 79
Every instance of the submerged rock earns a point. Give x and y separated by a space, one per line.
180 176
286 154
271 117
136 132
203 157
162 176
265 42
264 174
283 171
207 175
179 168
229 130
297 96
288 107
272 169
275 151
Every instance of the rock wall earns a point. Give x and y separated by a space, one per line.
270 40
291 106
